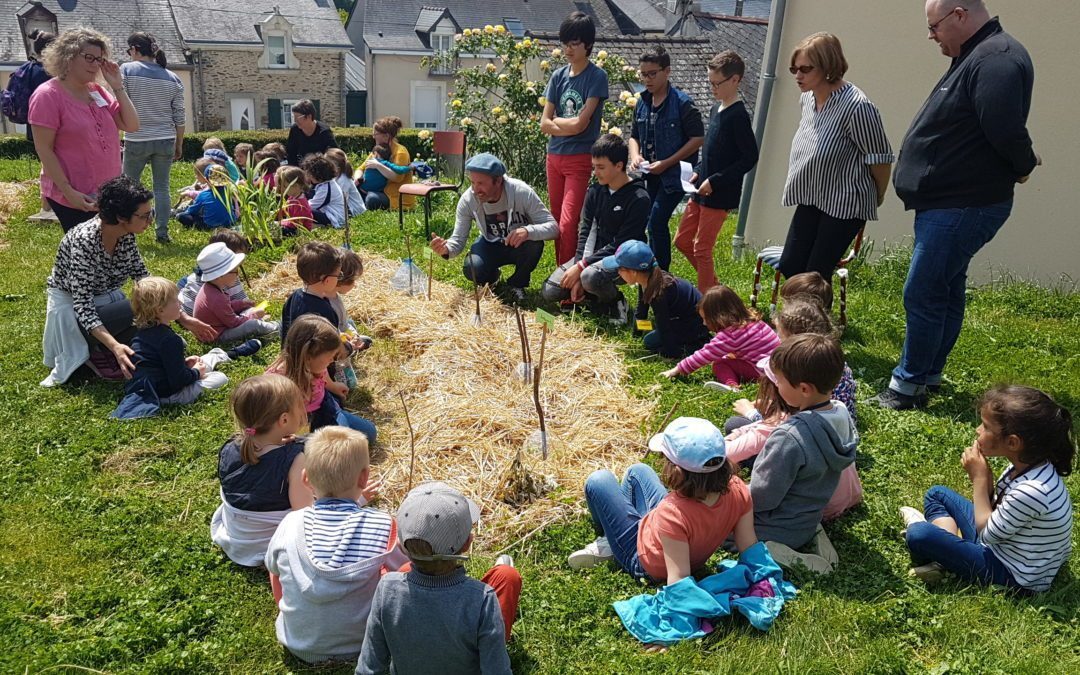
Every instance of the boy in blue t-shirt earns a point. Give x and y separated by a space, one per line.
208 210
575 98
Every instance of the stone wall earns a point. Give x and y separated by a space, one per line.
236 74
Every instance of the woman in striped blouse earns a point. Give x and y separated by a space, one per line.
158 96
1016 532
840 160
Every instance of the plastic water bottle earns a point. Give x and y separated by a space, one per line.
409 278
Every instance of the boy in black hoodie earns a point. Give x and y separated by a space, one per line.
616 210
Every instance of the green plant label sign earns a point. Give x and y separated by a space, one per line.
545 319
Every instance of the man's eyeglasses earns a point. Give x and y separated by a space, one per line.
648 74
800 69
934 26
92 58
717 85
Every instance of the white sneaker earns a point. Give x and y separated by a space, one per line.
720 386
790 558
504 559
592 555
930 572
910 517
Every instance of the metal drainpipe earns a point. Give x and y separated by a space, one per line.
768 78
202 91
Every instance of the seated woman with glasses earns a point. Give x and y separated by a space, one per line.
76 123
88 319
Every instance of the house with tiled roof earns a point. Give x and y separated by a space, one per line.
242 65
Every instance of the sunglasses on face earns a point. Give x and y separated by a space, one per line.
91 58
800 69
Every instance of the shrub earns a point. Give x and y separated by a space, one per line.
499 107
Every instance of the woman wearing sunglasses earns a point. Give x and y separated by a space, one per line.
76 123
840 160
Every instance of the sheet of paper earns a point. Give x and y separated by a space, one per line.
685 172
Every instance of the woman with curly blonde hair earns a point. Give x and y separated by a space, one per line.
76 123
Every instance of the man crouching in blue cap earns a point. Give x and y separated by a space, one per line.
513 222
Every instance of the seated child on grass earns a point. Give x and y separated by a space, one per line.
265 169
260 467
310 347
231 320
318 264
679 330
214 149
798 470
290 181
1017 531
372 183
212 207
192 283
665 536
325 560
242 153
351 269
353 201
434 617
327 201
277 150
808 285
742 339
159 352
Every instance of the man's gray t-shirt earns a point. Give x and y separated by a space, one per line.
569 95
495 215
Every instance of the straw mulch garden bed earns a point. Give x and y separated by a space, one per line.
11 200
471 413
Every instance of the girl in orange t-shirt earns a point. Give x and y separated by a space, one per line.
664 536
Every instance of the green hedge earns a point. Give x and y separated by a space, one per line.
354 140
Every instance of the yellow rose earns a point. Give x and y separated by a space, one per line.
491 68
456 103
623 95
500 29
542 101
631 102
424 135
601 54
489 29
503 119
556 53
467 32
628 69
526 42
616 131
465 121
544 65
458 36
497 110
502 77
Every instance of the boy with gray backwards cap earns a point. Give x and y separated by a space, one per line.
513 225
434 617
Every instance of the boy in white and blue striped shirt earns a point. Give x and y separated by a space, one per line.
1016 532
328 558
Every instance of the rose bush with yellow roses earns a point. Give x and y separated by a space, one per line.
498 102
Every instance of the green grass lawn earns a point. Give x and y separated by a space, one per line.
106 562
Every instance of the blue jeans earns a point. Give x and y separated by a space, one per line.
964 556
945 242
331 413
663 205
618 509
160 156
485 258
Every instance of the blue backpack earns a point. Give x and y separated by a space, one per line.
15 100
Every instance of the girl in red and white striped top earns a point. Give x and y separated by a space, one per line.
742 339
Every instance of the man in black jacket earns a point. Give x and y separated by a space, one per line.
966 150
616 209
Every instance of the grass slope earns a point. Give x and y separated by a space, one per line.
106 562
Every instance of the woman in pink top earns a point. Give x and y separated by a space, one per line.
76 123
742 339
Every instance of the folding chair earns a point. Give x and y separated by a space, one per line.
446 144
770 255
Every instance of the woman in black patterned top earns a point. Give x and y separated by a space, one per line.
95 259
840 160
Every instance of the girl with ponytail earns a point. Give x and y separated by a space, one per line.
260 467
158 96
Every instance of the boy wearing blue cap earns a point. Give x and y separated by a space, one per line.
513 223
679 329
664 536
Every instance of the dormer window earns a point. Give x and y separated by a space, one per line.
276 32
441 42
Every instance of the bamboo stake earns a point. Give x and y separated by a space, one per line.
412 439
430 271
476 294
536 393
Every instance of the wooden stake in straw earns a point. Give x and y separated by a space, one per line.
476 294
412 438
430 269
546 321
523 338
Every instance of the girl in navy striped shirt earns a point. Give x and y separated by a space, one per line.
1015 532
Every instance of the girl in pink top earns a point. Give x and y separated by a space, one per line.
742 339
76 123
664 536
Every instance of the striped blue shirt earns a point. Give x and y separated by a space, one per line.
831 154
339 532
1030 530
158 97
